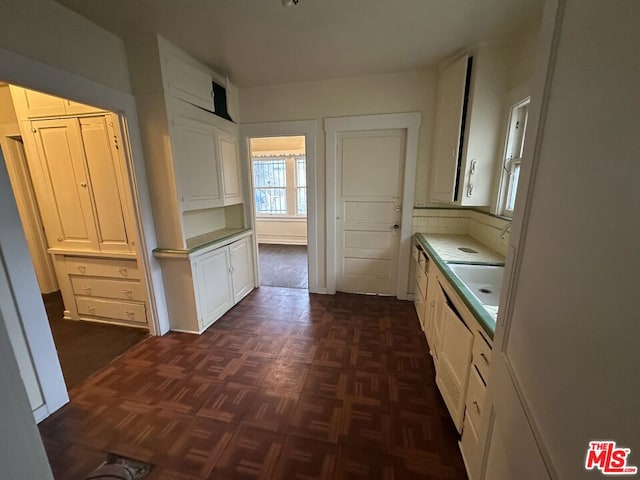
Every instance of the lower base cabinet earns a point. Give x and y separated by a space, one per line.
203 285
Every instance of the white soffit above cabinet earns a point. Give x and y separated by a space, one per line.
260 42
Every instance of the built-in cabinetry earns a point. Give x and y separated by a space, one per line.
79 177
469 120
461 352
195 179
208 281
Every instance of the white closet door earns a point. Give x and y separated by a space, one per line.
105 185
62 185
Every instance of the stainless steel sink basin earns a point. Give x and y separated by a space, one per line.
484 281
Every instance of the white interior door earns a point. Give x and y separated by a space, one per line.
370 176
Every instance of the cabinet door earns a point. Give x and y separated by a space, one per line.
437 301
189 83
452 374
241 268
104 184
32 104
196 164
76 108
451 93
213 286
62 184
232 187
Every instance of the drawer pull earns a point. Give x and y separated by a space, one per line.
91 309
123 271
127 292
484 357
475 404
130 314
87 289
82 268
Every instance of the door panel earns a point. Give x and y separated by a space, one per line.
370 169
112 232
63 185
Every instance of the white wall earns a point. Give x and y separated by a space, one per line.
572 344
286 232
399 92
48 32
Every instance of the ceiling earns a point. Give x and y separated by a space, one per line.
261 42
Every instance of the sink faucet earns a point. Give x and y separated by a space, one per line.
505 230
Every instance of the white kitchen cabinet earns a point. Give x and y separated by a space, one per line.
202 285
469 116
195 178
214 288
231 173
454 359
78 183
32 104
196 163
184 78
241 268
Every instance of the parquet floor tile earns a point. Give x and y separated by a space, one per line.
286 386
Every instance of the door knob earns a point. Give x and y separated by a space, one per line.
396 226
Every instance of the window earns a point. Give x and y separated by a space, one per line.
513 156
280 186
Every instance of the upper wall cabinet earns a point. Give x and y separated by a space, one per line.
230 160
186 80
469 119
32 104
195 171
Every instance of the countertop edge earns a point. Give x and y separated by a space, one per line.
188 252
482 316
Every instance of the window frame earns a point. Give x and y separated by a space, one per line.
291 187
512 155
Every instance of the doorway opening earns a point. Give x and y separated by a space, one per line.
67 168
279 179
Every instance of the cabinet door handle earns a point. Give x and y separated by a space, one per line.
475 404
484 357
83 185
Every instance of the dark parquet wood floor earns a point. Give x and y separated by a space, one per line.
86 347
286 385
283 265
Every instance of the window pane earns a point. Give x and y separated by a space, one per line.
271 201
513 187
301 201
269 173
301 172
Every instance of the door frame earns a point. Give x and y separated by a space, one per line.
406 121
20 70
308 129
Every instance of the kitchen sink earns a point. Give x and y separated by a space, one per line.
484 281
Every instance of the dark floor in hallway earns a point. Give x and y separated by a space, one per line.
283 265
286 385
85 347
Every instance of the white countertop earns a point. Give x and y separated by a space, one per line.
448 247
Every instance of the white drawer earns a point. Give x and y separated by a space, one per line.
105 287
482 356
102 267
421 283
470 445
131 312
476 392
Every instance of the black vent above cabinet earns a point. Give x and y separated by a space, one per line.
220 101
